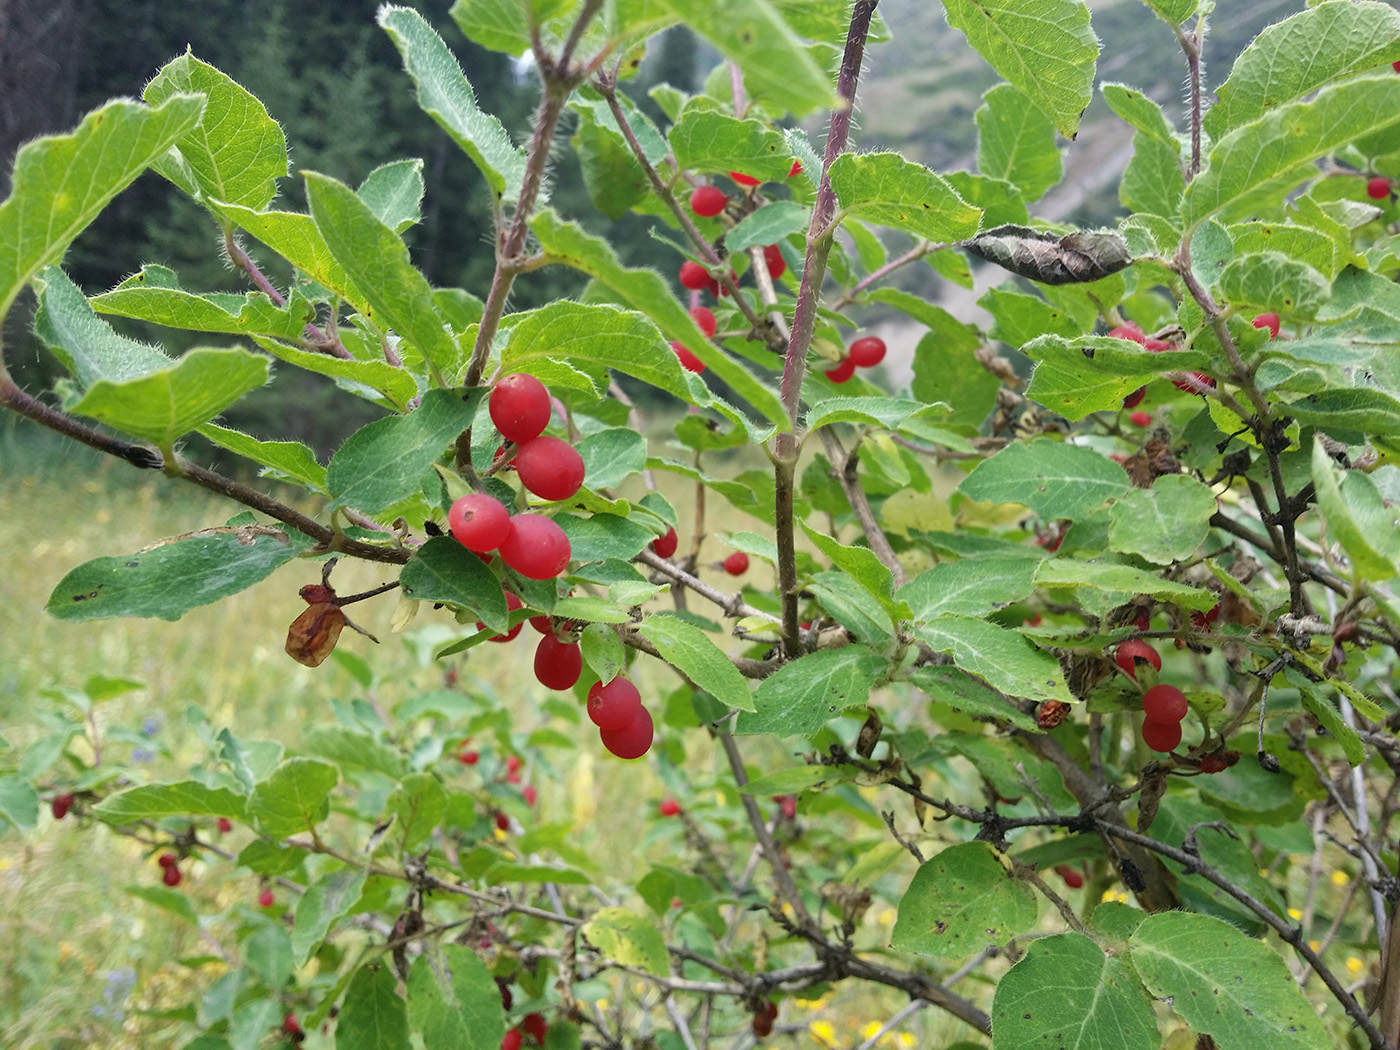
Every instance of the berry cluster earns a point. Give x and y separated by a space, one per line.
170 865
866 352
1163 705
697 278
624 724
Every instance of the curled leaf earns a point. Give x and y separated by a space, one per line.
313 634
1075 258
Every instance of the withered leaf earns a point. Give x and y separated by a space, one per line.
312 635
1075 258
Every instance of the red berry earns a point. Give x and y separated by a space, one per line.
167 860
1198 382
535 1026
614 706
469 758
513 763
1133 650
1072 878
670 807
745 180
1269 321
512 603
841 372
502 821
543 624
171 876
688 361
519 407
632 740
557 664
536 547
530 793
507 1000
868 351
1157 346
1164 703
694 276
1135 398
1395 66
1378 188
550 467
665 546
496 457
60 806
479 522
796 168
708 201
1161 736
1128 331
225 825
1143 620
787 804
265 898
704 319
773 257
1203 620
290 1025
512 1039
736 564
1141 419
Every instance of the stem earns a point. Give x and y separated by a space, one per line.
913 255
325 342
1191 45
31 408
845 468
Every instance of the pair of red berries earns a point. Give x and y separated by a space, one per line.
1164 706
60 805
171 868
866 352
624 724
1194 383
533 1025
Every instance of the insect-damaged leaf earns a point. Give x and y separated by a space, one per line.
1075 258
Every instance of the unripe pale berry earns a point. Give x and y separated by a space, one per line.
1269 321
550 467
557 664
1161 736
708 201
1378 188
632 740
1133 650
1164 703
688 361
669 807
478 522
536 547
868 351
694 276
665 546
519 406
736 564
614 705
704 319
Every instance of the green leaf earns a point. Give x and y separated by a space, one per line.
453 1000
888 190
1174 12
946 370
1066 992
420 803
1140 111
268 953
771 224
372 1016
154 294
87 345
1075 377
236 153
397 385
62 182
394 192
604 536
296 797
173 577
1356 516
1018 319
969 586
1223 983
1043 47
853 607
1165 523
1016 142
863 565
790 781
1053 479
497 25
327 899
286 460
1273 281
778 70
384 462
19 802
349 747
1329 718
689 649
376 259
1306 244
960 902
1153 181
611 456
802 696
1364 410
1289 60
294 236
1275 152
1005 659
168 404
959 690
173 901
602 651
445 571
629 938
705 140
1120 579
615 181
591 610
186 798
446 96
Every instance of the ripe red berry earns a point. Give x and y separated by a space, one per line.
225 825
469 758
550 467
704 319
266 898
745 180
557 664
1073 879
530 794
512 1039
787 804
478 522
708 201
670 807
1156 346
171 876
1143 620
1203 620
535 1026
841 372
1161 736
167 860
512 603
665 546
60 806
1196 384
290 1025
1128 331
519 407
796 168
615 705
513 763
507 1000
536 547
502 821
688 361
632 740
773 257
736 564
1378 188
694 276
1135 398
1140 419
1133 650
1269 321
1164 703
543 624
868 351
